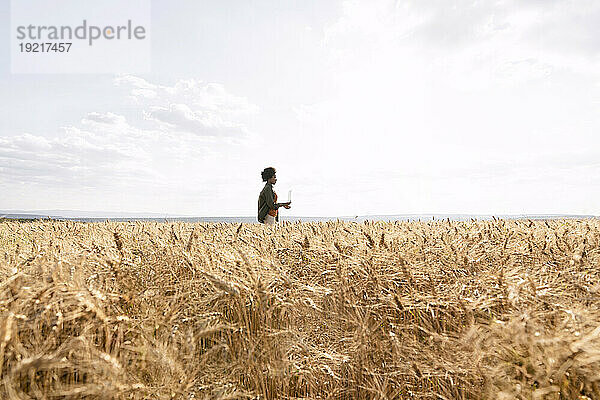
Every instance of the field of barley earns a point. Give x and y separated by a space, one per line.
331 310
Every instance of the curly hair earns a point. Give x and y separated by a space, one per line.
267 173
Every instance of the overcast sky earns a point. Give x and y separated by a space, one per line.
364 107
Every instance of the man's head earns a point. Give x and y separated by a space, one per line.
268 175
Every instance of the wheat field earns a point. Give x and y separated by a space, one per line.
332 310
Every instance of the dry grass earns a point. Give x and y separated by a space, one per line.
440 310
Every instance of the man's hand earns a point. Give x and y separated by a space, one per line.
287 205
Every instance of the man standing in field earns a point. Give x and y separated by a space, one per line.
267 200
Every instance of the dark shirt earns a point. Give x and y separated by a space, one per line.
266 202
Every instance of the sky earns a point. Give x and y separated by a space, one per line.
363 107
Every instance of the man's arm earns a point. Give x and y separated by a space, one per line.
270 201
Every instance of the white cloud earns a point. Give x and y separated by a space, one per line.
466 37
180 117
77 156
460 74
178 144
190 106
